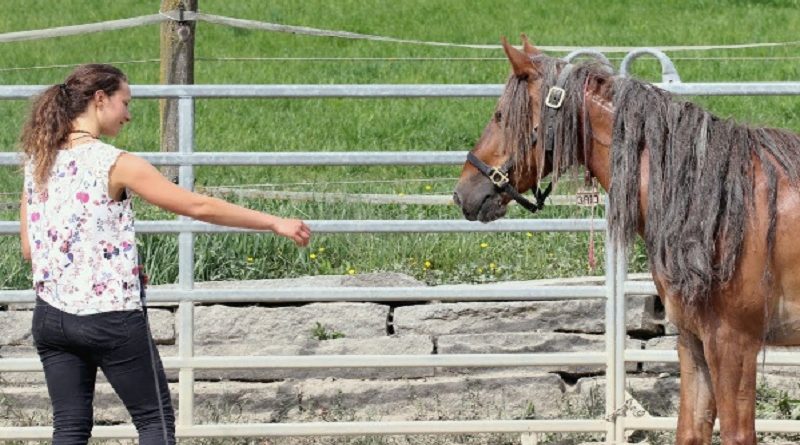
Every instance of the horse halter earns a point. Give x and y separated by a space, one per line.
499 176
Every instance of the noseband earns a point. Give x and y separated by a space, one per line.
499 177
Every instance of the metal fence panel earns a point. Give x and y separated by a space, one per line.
614 425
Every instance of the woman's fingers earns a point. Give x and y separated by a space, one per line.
296 230
302 235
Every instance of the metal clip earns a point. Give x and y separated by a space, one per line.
559 99
497 177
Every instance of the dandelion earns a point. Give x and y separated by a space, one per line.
250 260
479 270
492 266
484 245
427 264
351 271
428 188
530 235
321 249
313 256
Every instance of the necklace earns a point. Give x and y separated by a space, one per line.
85 134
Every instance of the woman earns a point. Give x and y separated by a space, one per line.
76 227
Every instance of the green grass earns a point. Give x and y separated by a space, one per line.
373 124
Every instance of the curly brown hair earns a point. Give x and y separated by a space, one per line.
52 112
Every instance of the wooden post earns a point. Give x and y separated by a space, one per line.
177 67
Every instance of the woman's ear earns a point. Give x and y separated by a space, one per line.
100 97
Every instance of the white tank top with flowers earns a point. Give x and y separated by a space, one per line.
83 247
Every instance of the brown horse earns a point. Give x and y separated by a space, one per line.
716 202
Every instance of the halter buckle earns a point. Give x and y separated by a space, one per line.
498 178
555 102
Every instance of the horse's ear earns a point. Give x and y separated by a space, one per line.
520 62
529 49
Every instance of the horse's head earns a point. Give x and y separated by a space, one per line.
504 160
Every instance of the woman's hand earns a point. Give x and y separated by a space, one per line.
294 229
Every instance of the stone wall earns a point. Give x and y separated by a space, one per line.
289 395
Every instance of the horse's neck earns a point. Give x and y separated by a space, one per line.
601 117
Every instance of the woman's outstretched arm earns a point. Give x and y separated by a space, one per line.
142 178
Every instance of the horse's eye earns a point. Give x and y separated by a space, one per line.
498 116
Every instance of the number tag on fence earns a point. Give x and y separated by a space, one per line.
588 197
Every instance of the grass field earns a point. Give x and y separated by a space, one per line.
387 124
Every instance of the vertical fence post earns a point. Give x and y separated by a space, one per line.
186 269
621 335
177 67
611 328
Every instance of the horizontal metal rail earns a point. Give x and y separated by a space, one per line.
394 428
373 226
640 288
353 361
670 423
399 91
336 429
773 358
373 294
338 158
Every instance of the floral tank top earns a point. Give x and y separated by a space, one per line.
83 247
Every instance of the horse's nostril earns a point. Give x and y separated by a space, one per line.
455 199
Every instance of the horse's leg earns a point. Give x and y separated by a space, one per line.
697 409
732 357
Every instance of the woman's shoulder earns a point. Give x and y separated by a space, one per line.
100 155
104 147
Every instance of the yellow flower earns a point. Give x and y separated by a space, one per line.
479 270
250 259
427 187
401 194
351 271
492 266
321 249
427 264
484 245
313 256
530 235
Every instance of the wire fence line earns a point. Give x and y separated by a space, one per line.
175 15
387 60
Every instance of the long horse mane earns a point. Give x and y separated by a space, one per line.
701 170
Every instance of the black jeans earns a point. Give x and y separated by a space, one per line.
72 347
